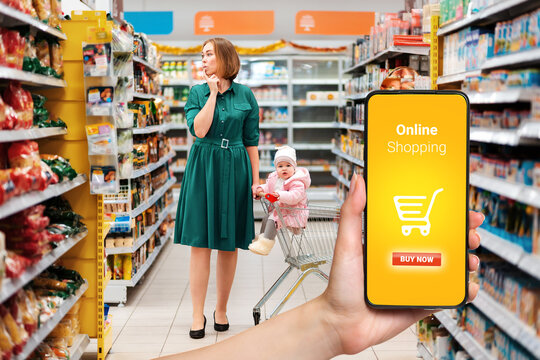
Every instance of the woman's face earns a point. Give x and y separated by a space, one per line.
209 59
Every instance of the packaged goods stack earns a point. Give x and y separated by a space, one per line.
491 52
39 299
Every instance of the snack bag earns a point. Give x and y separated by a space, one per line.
23 154
43 10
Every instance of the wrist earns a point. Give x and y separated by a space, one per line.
325 325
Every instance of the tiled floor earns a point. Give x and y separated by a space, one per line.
157 317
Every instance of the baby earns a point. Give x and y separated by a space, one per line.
288 184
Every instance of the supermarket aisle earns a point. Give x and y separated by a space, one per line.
157 318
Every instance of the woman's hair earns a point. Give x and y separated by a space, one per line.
228 62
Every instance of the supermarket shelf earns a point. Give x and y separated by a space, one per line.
387 54
338 200
282 125
526 194
108 278
312 168
152 129
13 17
313 125
152 199
265 103
178 127
315 81
144 268
175 82
18 203
508 322
501 97
496 136
51 323
316 104
424 352
321 194
520 58
325 146
30 134
139 95
341 179
356 127
107 338
360 96
502 10
175 103
511 252
149 168
141 240
464 338
452 78
76 351
180 147
28 78
11 285
348 157
149 66
106 228
178 169
264 82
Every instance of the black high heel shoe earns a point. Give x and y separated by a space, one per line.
198 334
220 327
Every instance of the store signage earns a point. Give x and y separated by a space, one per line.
334 22
151 22
234 23
416 167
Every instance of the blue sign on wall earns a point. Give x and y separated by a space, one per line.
151 22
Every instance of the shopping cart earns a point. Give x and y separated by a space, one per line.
304 248
405 202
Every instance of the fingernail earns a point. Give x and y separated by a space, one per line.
483 217
352 185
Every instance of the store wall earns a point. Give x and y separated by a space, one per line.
284 14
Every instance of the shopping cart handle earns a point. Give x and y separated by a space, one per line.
271 198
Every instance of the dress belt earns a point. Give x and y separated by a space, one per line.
224 144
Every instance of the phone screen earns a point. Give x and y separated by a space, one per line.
417 190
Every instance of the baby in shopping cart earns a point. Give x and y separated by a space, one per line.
288 184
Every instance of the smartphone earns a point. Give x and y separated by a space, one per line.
416 218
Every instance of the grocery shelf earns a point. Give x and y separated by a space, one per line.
315 81
152 199
282 125
13 17
264 82
464 338
144 238
152 129
11 285
28 78
526 194
452 78
424 352
356 127
140 95
303 103
312 168
501 97
178 127
341 179
496 136
338 200
146 64
44 330
175 103
80 343
144 268
108 278
30 134
107 338
178 169
391 52
175 82
348 157
325 146
520 58
313 125
508 322
180 147
267 103
512 253
321 193
360 96
502 10
151 167
21 202
270 146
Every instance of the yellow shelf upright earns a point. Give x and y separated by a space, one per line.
436 46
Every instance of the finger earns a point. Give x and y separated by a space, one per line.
473 291
204 75
474 239
475 219
474 262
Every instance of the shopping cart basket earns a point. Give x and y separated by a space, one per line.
422 222
305 250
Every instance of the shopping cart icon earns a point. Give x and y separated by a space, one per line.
403 207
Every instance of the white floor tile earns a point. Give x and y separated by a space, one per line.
368 354
396 355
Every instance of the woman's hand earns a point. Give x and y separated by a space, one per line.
355 324
256 194
212 81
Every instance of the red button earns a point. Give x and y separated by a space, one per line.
416 259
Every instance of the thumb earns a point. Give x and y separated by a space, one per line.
349 240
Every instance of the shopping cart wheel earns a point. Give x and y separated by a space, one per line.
406 231
425 232
256 316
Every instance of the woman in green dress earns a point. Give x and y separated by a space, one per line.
215 209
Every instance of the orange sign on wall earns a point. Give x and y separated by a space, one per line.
334 22
234 22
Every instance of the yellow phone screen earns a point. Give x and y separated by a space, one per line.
417 188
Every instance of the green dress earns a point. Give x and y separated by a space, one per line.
215 209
